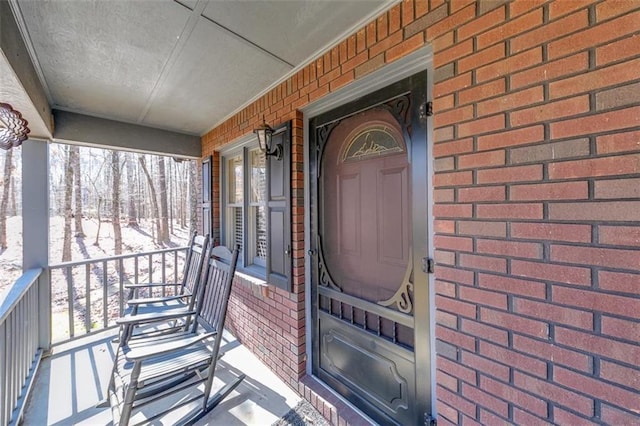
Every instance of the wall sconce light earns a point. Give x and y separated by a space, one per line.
265 133
13 128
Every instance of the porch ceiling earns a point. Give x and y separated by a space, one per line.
177 65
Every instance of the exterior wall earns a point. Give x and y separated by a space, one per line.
537 204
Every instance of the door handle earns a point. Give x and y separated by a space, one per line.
428 265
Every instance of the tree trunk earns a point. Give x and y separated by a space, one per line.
97 241
164 216
68 212
172 179
132 221
6 180
77 189
115 203
193 198
154 199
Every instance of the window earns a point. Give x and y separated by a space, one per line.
256 212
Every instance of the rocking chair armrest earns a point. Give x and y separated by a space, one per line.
153 317
147 285
151 300
139 354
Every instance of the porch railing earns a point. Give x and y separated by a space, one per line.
20 351
89 295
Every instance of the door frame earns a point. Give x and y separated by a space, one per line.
419 61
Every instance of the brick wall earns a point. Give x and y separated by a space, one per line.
537 203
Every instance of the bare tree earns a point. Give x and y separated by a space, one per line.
77 189
164 217
132 217
115 202
154 198
5 198
68 190
193 198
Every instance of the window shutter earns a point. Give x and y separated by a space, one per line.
205 202
279 212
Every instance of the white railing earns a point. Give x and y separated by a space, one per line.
20 351
89 295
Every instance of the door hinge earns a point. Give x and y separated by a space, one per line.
426 110
428 265
429 420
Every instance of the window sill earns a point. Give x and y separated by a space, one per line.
254 279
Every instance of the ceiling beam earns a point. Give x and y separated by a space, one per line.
110 134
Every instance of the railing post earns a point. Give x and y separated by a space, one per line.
35 227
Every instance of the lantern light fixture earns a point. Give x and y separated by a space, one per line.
265 140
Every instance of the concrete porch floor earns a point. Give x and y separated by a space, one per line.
74 379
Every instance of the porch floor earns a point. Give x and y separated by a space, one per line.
74 379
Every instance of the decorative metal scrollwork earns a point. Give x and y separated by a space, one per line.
400 108
323 136
324 276
402 298
13 128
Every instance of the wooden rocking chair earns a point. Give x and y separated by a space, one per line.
156 368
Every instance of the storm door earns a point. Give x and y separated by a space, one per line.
369 237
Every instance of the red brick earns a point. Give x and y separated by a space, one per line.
512 285
455 338
486 366
446 414
483 297
510 29
481 193
455 116
456 400
595 35
609 258
550 191
449 382
596 388
550 31
550 111
446 226
452 179
444 103
613 416
385 44
612 9
509 248
407 12
485 56
618 281
551 272
595 80
484 228
453 243
456 307
515 323
558 395
597 301
618 142
445 257
488 418
355 61
484 399
602 346
623 329
565 417
552 232
522 417
550 352
514 359
459 146
483 125
625 376
619 50
511 101
455 275
482 91
606 166
483 263
511 64
446 319
452 85
443 195
462 372
619 235
519 7
511 138
509 211
517 397
405 47
485 331
482 159
551 313
457 51
453 210
560 8
550 70
483 23
452 21
510 174
443 134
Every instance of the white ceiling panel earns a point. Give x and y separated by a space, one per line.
103 57
216 72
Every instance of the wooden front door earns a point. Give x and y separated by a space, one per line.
370 293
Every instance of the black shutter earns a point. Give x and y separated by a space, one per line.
279 212
205 202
